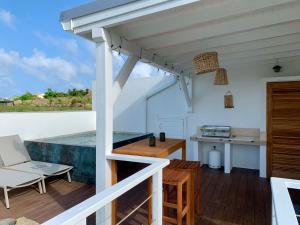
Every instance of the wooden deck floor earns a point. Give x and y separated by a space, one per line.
241 198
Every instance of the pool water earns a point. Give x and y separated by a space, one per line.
89 138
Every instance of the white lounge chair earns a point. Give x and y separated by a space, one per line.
10 179
15 156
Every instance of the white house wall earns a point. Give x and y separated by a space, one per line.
34 125
130 107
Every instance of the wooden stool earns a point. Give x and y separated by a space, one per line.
177 179
193 168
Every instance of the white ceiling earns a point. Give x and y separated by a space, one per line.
241 31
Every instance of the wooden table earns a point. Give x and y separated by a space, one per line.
142 148
161 150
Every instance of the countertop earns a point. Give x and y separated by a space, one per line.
241 140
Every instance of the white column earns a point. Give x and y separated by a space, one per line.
195 150
227 158
94 95
157 198
274 222
262 161
104 120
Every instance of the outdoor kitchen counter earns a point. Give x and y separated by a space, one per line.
242 136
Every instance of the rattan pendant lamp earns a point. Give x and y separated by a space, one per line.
221 77
206 62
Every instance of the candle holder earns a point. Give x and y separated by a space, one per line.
152 141
162 136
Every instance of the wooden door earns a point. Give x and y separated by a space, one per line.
283 129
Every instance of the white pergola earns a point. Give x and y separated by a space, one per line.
168 34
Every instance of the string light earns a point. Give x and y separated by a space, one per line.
154 55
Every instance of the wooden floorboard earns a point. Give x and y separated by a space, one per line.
239 198
60 196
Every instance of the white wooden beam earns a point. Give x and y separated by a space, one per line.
261 60
275 15
104 117
240 54
186 93
202 12
268 43
123 76
240 38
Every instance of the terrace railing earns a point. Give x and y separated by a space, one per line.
78 214
283 212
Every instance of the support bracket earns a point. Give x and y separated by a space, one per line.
123 76
186 92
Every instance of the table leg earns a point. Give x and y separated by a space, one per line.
183 157
114 180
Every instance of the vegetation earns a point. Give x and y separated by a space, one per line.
50 94
75 92
26 96
73 100
31 108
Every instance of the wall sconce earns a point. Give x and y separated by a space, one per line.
228 100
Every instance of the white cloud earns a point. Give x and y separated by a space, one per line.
7 18
70 45
90 47
43 67
87 69
39 63
7 58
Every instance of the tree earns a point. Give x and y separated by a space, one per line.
78 92
50 93
26 96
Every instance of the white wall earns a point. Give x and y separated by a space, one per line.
46 124
130 107
247 86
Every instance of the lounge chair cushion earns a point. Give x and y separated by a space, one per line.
42 168
11 178
13 150
25 221
8 222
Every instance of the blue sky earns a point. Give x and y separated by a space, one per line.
35 52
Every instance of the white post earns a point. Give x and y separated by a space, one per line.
195 150
94 95
227 158
104 117
262 161
157 198
274 222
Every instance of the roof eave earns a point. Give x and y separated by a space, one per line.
118 15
